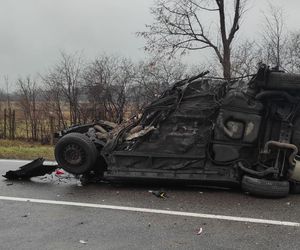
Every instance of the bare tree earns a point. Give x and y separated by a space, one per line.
8 124
7 86
2 101
54 102
28 92
97 76
292 50
120 98
152 77
106 80
245 59
65 82
179 26
52 109
2 98
274 37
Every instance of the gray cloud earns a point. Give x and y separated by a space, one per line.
34 31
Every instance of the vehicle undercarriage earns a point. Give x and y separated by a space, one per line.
200 131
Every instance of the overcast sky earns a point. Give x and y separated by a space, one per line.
34 31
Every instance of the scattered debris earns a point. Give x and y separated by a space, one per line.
56 179
200 231
79 184
59 172
107 123
140 133
31 169
89 178
158 194
100 128
82 242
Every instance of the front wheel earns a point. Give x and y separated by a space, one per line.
76 153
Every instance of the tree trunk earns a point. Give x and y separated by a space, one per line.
226 62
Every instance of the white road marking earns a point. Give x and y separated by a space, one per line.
26 161
155 211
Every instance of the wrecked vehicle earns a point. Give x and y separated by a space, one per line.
200 131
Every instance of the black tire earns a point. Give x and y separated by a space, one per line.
294 187
76 153
265 188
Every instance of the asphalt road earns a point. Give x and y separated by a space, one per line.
40 225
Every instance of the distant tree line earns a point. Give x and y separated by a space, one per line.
75 91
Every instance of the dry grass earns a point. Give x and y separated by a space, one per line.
24 150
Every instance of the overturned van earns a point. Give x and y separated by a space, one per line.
200 131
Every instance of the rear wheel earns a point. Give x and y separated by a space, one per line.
266 188
76 153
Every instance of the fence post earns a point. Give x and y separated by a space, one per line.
51 129
13 129
4 128
9 124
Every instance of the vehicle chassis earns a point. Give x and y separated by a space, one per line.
252 139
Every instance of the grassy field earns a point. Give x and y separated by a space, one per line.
24 150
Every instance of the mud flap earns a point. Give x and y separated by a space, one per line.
31 169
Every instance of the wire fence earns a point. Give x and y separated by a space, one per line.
14 126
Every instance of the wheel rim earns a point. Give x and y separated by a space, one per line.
73 154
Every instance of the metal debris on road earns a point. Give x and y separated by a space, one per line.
59 172
200 231
31 169
158 194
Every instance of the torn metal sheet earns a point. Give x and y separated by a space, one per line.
31 169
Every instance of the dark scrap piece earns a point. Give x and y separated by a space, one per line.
31 169
158 193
